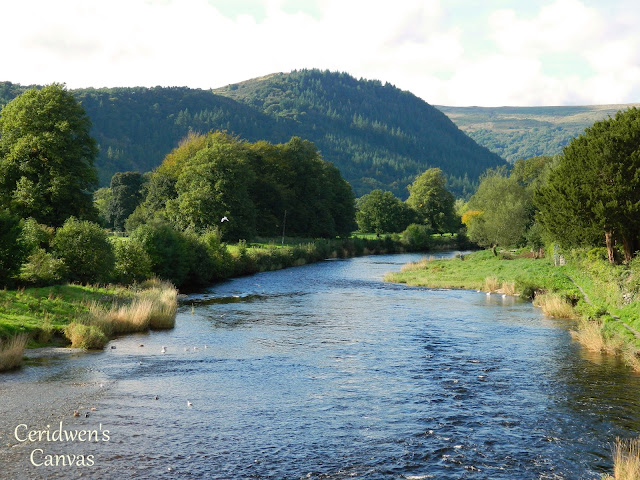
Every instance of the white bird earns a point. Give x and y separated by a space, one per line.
189 404
164 349
504 295
488 293
224 219
195 348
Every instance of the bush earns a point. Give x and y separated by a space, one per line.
12 251
36 235
42 269
417 237
85 249
168 250
132 262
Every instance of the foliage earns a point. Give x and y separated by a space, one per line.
417 237
132 263
42 268
432 202
85 249
46 156
382 212
595 189
256 188
500 211
167 249
376 134
125 195
12 251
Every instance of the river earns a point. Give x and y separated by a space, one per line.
326 372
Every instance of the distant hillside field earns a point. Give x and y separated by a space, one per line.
376 134
525 132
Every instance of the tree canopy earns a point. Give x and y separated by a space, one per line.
253 186
595 189
382 212
432 202
46 156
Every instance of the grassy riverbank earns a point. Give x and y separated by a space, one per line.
82 316
604 299
88 316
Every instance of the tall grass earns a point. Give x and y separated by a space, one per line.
154 306
11 351
626 460
591 335
491 284
554 305
163 297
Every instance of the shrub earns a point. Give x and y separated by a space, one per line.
132 262
417 237
85 249
42 269
168 250
36 235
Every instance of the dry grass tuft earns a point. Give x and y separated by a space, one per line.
491 284
164 305
626 460
554 305
85 336
509 288
590 334
419 265
11 351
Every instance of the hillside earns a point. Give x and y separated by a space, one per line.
524 132
377 135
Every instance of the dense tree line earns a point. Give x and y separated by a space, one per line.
587 197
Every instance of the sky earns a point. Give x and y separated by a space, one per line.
448 52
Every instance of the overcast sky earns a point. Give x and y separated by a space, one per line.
448 52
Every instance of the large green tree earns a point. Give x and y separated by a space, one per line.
46 156
433 203
499 212
594 192
125 196
382 212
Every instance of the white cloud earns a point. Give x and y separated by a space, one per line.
422 46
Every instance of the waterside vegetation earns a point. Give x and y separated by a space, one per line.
603 298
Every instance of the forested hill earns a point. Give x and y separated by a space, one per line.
525 132
377 135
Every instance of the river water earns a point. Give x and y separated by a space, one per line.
326 372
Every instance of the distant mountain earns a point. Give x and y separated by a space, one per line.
376 134
524 132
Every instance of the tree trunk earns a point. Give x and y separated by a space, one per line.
608 238
629 248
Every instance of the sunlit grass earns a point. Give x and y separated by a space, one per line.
626 460
11 351
554 305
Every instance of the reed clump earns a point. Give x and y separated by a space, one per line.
554 305
11 351
491 284
626 460
163 298
591 335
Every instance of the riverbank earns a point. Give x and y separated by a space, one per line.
87 316
603 298
82 316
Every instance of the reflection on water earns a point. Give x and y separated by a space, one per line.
326 372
